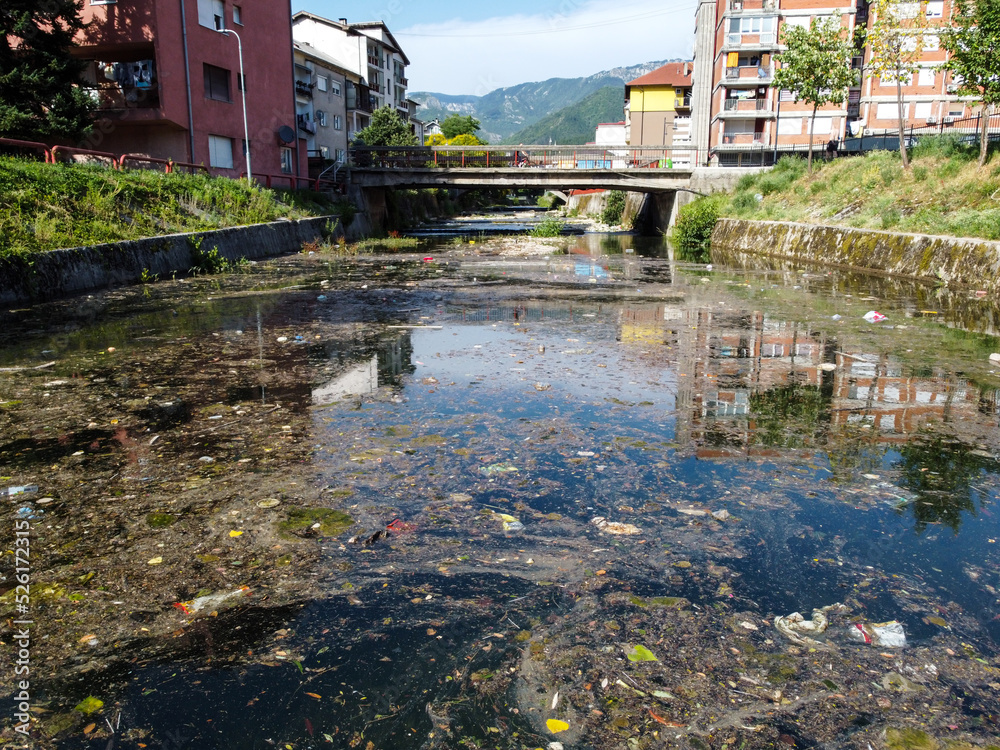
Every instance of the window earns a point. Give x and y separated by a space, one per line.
335 88
935 8
238 15
217 83
925 77
823 125
220 152
286 161
932 43
321 117
790 126
956 110
908 10
887 111
338 122
212 14
341 155
322 83
751 24
922 110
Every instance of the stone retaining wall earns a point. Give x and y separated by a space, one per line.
956 261
59 273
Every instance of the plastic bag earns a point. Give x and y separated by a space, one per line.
872 316
883 634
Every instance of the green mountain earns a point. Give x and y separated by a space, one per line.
575 124
505 111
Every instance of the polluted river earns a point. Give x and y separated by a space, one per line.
502 493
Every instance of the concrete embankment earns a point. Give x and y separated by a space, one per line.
956 261
60 273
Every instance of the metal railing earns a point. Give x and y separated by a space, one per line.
746 105
750 73
534 157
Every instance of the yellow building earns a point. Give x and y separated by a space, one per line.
658 107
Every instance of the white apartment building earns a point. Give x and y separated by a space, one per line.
367 49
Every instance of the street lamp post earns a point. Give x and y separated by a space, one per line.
243 89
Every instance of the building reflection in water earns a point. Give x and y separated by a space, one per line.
740 371
364 376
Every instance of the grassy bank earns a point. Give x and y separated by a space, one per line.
944 192
46 207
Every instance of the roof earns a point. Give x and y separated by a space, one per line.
671 74
610 124
309 51
357 29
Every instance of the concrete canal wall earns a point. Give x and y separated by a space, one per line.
60 273
954 261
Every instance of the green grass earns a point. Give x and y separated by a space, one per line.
46 207
944 192
547 228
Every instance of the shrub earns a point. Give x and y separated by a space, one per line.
614 209
693 231
548 228
744 201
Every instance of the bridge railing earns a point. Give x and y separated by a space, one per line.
544 157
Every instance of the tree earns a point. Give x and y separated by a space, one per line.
816 67
40 96
387 128
973 46
896 41
455 125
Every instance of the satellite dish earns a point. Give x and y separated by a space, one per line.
286 134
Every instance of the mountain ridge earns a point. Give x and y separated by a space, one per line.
505 111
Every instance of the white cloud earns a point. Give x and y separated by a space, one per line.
564 39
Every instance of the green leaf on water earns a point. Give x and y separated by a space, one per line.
89 705
639 653
299 665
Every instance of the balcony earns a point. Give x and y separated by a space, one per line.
401 81
746 108
682 102
750 75
752 7
742 139
766 40
303 89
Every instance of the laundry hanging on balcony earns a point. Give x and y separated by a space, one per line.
131 77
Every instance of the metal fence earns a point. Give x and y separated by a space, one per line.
966 130
544 157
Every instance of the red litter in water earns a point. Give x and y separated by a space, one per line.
400 527
428 259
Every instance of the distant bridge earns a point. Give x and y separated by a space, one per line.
640 169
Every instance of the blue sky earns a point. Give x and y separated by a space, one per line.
474 47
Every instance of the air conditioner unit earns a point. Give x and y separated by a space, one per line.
932 120
949 120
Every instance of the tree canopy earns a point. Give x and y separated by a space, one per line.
455 125
40 96
464 139
387 128
973 44
816 66
896 42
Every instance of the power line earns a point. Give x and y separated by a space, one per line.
553 29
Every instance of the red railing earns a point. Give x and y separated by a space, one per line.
57 151
190 167
500 157
168 165
269 179
33 145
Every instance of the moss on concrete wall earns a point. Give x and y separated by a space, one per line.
954 261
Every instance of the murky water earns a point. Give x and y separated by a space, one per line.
544 463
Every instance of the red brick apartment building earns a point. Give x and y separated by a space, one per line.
738 40
168 82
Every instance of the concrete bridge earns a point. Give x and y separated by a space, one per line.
643 169
667 176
